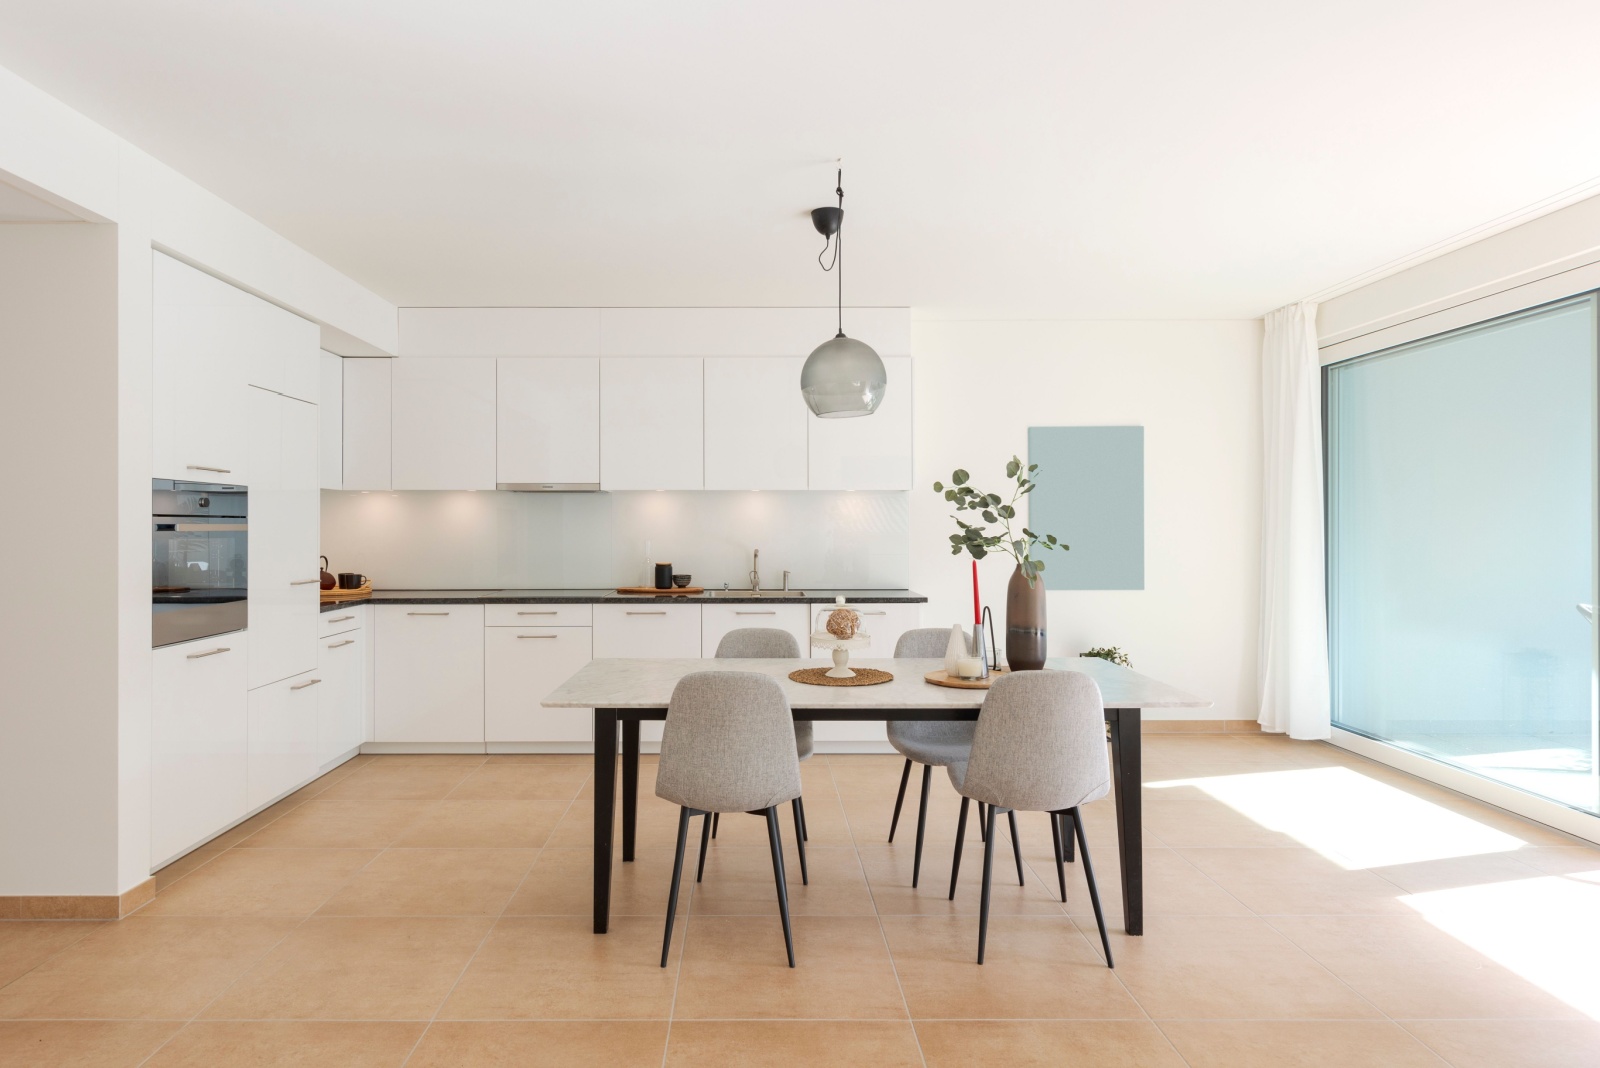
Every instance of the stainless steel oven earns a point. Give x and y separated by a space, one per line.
200 560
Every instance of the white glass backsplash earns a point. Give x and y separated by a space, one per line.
498 540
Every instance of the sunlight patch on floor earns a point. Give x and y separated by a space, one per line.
1353 820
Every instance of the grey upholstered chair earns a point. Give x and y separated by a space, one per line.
933 744
728 746
769 643
1040 746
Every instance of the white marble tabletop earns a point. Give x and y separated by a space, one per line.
639 683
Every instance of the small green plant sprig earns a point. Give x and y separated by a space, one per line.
974 538
1111 653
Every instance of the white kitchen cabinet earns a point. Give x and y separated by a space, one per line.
717 620
428 673
199 374
330 408
647 630
444 417
870 452
285 510
520 666
755 424
547 424
652 428
341 699
885 623
198 742
366 430
538 615
282 738
281 349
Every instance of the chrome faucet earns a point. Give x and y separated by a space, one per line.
755 571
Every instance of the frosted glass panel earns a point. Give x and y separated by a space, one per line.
1461 545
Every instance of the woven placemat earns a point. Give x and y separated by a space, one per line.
820 677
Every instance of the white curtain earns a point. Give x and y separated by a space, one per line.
1294 623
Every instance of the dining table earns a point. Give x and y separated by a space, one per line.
623 692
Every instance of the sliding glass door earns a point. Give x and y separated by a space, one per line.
1462 548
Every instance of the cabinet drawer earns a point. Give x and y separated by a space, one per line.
537 615
718 619
340 620
647 630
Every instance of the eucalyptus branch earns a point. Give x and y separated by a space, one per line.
974 538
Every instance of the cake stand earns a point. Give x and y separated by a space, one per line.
821 639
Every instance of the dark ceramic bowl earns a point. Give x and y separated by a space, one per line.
681 581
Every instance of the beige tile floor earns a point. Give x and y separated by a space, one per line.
1305 908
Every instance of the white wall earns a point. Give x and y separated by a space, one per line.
1194 387
59 650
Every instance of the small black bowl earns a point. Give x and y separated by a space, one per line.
681 581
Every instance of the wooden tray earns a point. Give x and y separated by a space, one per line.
335 595
939 678
651 591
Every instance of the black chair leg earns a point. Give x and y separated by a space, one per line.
805 829
988 870
677 875
800 839
705 840
1016 843
1068 821
1055 840
961 834
900 798
983 816
776 842
716 822
922 823
1094 891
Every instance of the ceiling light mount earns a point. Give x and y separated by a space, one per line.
842 377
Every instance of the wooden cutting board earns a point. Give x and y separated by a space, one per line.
335 595
939 678
651 591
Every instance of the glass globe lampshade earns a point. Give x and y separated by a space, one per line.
843 378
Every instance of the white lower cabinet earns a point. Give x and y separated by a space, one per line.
885 623
520 666
282 737
647 630
716 620
428 662
198 742
341 699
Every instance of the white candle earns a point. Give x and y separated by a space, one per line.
969 667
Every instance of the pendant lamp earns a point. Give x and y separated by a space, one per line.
842 377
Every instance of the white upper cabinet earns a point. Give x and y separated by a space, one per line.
281 349
330 406
652 430
443 432
547 425
755 424
868 452
199 375
366 430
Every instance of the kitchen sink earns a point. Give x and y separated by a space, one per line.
758 593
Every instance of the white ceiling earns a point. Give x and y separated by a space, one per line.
1092 160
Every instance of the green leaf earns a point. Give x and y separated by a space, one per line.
1012 468
1032 468
978 552
1051 538
993 499
1038 565
949 495
959 477
1029 487
956 538
938 487
1007 512
989 517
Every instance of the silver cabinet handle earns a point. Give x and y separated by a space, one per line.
552 613
661 613
768 612
304 582
303 685
340 619
874 613
427 613
340 645
202 467
538 636
209 652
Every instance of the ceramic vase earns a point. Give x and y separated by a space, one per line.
1025 627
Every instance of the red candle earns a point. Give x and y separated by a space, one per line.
977 611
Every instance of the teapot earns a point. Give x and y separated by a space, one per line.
327 579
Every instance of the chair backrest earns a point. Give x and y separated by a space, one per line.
925 642
757 643
728 744
1040 743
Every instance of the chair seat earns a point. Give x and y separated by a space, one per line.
936 742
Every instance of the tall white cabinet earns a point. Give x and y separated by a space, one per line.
200 373
285 514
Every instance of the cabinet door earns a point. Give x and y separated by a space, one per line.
870 452
443 430
199 372
642 630
547 427
341 718
330 409
280 349
885 623
520 666
198 743
755 424
366 430
652 430
717 620
282 738
284 519
428 674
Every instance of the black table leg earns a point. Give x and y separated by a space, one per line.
630 785
605 801
1128 778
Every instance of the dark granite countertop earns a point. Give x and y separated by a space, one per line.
612 597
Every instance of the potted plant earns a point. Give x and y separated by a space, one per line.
1111 653
1025 604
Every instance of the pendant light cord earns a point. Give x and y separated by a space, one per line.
838 243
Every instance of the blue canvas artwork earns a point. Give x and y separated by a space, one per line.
1091 496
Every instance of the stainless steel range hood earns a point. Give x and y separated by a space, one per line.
549 487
